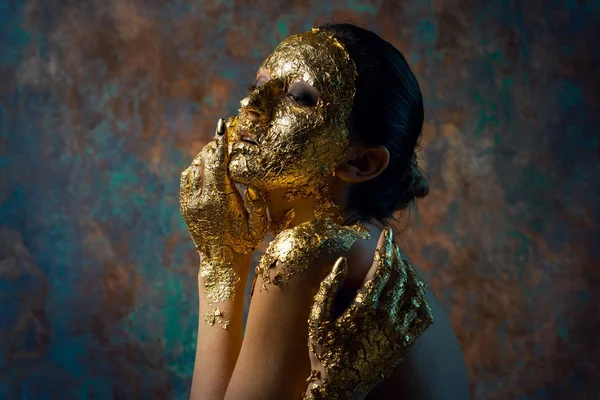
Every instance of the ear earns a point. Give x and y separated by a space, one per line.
363 164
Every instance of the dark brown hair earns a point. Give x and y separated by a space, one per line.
388 111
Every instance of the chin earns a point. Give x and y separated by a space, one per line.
245 177
239 177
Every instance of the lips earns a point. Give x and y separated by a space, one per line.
244 136
239 131
242 142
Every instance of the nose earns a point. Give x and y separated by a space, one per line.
257 105
252 115
250 109
252 105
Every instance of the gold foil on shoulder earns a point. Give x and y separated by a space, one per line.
293 250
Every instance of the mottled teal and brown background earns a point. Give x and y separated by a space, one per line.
103 103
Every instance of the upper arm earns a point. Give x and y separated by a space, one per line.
273 361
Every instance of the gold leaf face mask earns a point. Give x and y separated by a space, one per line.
297 143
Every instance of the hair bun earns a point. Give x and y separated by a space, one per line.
415 185
420 186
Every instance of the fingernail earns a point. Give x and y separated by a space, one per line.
252 194
220 127
389 234
340 267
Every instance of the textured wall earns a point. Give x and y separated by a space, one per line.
103 103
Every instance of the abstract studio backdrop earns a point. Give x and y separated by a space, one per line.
103 103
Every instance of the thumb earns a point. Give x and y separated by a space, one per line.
325 297
256 206
380 270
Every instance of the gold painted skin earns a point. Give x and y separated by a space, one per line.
362 347
303 243
297 149
298 146
219 222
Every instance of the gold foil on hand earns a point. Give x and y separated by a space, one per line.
219 221
364 345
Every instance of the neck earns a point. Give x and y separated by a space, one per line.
280 207
302 209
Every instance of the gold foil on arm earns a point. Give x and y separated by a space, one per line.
296 248
362 347
220 280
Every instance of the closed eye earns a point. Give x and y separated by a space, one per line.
303 94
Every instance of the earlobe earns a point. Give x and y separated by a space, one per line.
366 165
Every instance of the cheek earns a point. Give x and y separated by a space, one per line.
300 149
294 118
307 136
291 132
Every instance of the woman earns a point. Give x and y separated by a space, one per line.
325 144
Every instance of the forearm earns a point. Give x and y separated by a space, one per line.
273 362
219 342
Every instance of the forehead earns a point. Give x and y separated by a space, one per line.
314 58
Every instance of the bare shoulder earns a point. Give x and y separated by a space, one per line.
313 244
433 368
287 278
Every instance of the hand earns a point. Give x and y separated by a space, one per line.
221 224
212 207
357 351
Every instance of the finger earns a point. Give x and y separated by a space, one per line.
380 270
399 272
424 315
221 139
408 308
198 159
220 130
383 253
256 206
184 190
396 290
325 297
215 166
197 174
413 296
